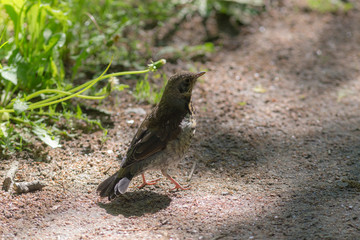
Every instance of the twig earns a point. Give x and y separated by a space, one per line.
25 187
107 170
94 21
9 179
191 171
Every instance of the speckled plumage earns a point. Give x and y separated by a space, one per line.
161 140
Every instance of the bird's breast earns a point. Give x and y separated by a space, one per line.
182 142
176 148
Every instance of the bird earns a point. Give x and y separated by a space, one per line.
162 139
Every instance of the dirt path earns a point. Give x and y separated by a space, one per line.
277 148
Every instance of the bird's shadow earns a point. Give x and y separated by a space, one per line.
136 203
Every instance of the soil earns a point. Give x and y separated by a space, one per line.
277 146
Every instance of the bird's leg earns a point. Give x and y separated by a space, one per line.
177 185
152 182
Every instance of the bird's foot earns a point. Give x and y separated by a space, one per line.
178 186
152 182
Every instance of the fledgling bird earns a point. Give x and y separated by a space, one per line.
161 140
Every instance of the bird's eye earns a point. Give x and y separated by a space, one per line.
184 86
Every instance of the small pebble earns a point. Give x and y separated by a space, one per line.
340 183
139 111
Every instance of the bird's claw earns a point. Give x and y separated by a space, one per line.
178 186
152 182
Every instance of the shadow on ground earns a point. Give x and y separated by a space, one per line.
227 150
308 155
316 203
137 203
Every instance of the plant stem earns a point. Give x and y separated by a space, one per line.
76 92
72 90
20 121
92 82
63 93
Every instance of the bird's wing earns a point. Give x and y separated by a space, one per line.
147 142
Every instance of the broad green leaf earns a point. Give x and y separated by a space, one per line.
78 111
34 20
325 6
46 138
2 45
59 15
17 4
54 39
4 117
9 74
203 8
62 40
20 106
3 130
54 70
12 13
206 47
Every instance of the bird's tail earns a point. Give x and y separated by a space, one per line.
114 185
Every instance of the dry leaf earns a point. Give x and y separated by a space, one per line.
259 89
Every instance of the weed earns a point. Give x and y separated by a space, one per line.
240 10
35 50
187 52
325 6
149 93
23 111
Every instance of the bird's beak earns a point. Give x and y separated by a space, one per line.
199 74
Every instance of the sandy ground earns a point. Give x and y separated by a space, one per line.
277 147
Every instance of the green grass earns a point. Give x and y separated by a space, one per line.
23 111
144 91
325 6
43 36
36 47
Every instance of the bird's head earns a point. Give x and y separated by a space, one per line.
180 86
176 98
